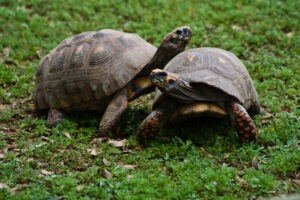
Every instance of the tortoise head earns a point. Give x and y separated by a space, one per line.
163 80
178 38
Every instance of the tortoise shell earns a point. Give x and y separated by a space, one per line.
82 72
216 68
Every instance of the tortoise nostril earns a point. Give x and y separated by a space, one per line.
178 32
162 74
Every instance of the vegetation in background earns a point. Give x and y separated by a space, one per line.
199 159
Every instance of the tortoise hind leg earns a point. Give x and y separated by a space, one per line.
55 117
113 113
155 121
242 123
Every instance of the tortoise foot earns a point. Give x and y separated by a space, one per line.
150 126
54 117
243 124
105 130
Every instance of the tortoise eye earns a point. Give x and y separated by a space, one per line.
178 32
162 74
171 81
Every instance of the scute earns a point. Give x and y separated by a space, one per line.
214 67
83 70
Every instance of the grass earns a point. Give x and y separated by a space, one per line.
200 159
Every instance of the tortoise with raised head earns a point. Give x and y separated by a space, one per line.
101 70
203 82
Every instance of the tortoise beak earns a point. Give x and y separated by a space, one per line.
158 77
182 34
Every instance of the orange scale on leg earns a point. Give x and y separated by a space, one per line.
241 124
247 128
251 124
246 140
253 131
159 113
246 135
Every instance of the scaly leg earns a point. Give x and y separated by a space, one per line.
113 113
155 121
54 117
243 123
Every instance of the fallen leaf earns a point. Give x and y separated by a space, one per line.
106 162
115 143
242 181
45 172
295 183
106 174
255 163
12 146
6 51
2 107
3 185
18 186
139 148
39 53
226 155
79 187
93 152
290 34
101 139
129 176
237 28
67 135
130 167
47 139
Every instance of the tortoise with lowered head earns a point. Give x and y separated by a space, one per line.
203 82
101 70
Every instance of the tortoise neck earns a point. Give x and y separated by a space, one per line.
161 57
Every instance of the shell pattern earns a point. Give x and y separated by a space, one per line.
83 72
214 67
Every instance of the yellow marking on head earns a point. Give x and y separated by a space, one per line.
168 79
130 94
141 82
174 36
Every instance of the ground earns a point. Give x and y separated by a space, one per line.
200 159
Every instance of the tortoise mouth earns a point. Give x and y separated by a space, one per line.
158 77
181 35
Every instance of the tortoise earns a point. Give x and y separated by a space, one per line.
203 82
100 70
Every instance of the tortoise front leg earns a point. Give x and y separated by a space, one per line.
55 117
113 113
155 121
242 123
